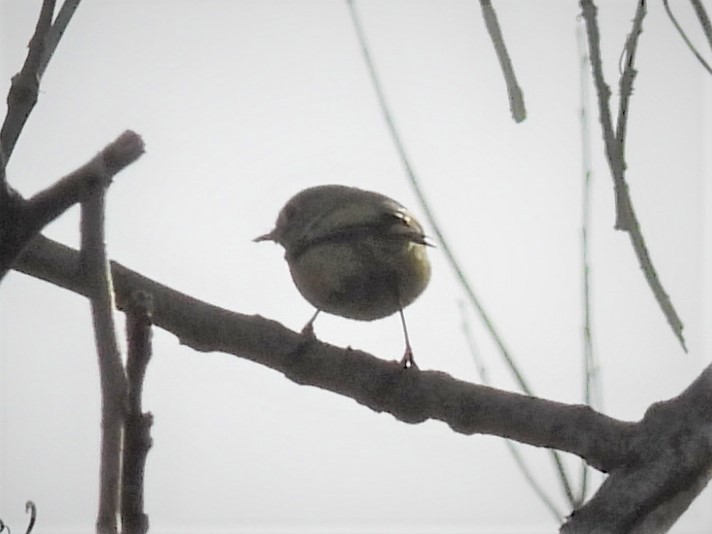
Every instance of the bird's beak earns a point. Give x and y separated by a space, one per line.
266 237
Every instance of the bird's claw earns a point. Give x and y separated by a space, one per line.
407 361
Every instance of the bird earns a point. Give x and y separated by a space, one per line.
353 253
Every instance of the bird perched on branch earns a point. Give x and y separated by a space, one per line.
353 253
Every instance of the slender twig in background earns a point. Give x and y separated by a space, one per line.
512 446
31 509
591 376
55 33
626 219
405 160
96 269
459 272
516 97
137 437
704 21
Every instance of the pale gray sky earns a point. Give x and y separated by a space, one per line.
241 104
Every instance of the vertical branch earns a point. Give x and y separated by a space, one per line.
626 219
512 446
25 84
516 97
603 91
591 378
113 380
425 206
459 272
56 32
137 438
626 83
704 22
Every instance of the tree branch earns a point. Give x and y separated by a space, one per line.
673 433
25 84
674 444
380 385
21 220
626 219
137 437
507 356
514 92
704 22
94 266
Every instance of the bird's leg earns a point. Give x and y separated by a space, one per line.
308 329
407 360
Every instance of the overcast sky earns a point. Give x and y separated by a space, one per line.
242 104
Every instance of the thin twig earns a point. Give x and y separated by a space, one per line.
56 31
25 84
512 446
625 87
405 161
704 21
516 97
591 378
95 265
137 437
24 89
625 214
459 272
31 509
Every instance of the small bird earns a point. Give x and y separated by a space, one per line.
353 253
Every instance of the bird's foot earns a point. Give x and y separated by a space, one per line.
308 331
407 361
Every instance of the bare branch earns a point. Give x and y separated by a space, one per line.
25 84
591 378
516 97
56 32
381 385
95 268
512 446
21 220
704 21
626 219
459 272
137 437
671 447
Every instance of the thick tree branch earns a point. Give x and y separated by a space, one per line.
670 450
21 220
381 385
674 445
